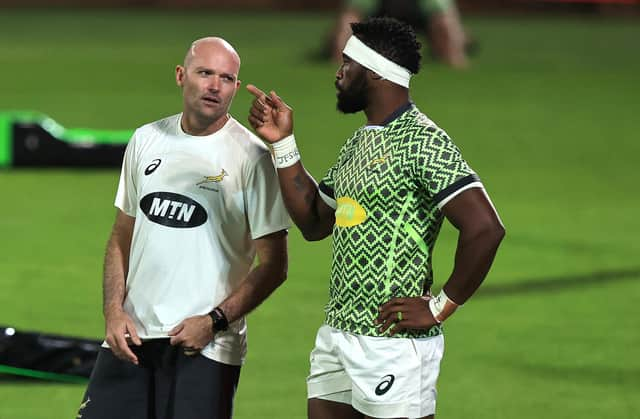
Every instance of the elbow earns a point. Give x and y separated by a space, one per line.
490 231
316 227
313 234
280 279
497 231
278 274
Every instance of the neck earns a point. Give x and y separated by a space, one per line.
384 102
193 125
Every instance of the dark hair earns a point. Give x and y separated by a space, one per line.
392 39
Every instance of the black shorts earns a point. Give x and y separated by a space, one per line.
167 384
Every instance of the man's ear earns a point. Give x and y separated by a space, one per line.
180 75
374 75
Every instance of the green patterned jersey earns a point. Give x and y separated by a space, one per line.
388 185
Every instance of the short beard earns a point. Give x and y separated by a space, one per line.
355 98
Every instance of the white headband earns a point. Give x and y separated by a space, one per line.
372 60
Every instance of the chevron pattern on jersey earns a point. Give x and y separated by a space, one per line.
394 173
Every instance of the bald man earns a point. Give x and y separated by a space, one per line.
198 200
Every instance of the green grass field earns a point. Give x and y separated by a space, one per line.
547 116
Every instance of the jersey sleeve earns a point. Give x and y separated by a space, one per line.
127 196
265 208
326 185
440 168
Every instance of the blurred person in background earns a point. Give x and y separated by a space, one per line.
198 199
439 20
378 353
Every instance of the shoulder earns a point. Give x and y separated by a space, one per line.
164 126
246 143
416 123
417 129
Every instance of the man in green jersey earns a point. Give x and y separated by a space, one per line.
383 201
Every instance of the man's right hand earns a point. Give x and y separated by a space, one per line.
120 331
270 117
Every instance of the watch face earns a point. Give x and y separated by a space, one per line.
213 322
220 323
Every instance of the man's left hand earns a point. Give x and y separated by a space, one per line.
193 334
405 313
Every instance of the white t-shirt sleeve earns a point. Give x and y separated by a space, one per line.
127 197
265 210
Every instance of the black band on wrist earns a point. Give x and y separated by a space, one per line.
220 322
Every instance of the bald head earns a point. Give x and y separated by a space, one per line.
200 48
209 82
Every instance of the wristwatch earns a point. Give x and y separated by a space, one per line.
220 322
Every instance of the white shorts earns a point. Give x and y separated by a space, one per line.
379 376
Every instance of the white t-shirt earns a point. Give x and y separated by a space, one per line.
198 202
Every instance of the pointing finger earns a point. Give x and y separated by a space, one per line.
255 91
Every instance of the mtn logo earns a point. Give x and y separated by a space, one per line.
173 210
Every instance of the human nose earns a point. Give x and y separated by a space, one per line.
339 72
214 83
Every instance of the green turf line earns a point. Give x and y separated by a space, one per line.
5 140
51 376
78 135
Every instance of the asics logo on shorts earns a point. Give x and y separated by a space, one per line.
385 384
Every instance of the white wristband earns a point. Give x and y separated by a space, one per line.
442 307
286 152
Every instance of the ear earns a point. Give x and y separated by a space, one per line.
374 75
238 83
180 71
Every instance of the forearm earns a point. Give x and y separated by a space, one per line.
302 199
273 121
259 284
474 255
116 266
113 286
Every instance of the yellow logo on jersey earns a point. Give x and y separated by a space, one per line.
349 213
379 160
216 178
